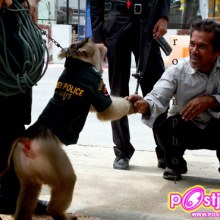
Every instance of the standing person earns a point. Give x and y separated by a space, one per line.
193 87
15 106
120 32
190 13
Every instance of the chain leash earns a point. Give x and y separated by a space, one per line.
49 37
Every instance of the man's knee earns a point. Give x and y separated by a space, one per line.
166 131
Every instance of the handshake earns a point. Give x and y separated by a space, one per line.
140 105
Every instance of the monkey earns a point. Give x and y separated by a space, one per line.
120 106
39 157
43 161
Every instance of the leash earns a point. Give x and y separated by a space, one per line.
36 54
49 37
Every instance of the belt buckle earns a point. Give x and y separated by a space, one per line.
137 9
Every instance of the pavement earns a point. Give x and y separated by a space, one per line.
139 193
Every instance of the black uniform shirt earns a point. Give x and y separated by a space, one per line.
79 86
97 10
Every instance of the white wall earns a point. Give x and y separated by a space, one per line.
47 10
82 3
63 34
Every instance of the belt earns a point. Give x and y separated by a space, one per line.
135 9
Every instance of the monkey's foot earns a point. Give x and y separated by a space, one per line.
41 208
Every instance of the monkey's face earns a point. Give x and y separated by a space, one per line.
98 57
87 51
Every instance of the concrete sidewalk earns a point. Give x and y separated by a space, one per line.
136 194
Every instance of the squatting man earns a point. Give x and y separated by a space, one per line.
190 91
38 156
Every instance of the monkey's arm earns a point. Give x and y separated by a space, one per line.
119 108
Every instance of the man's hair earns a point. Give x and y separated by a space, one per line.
211 26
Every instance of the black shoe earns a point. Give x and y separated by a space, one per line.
161 164
170 174
41 208
121 163
8 207
181 166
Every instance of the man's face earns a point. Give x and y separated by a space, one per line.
202 56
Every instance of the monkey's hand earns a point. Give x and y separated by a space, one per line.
119 108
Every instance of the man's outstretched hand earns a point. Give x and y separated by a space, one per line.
139 103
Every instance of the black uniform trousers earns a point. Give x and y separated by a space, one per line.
15 110
9 184
120 48
175 135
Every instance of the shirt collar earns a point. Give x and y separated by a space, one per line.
190 70
216 66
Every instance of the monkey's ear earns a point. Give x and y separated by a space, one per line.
84 53
27 149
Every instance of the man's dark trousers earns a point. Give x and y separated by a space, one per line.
119 58
175 135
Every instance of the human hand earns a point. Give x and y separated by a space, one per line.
5 2
131 107
198 105
33 9
160 28
139 103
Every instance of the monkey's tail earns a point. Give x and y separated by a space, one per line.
5 157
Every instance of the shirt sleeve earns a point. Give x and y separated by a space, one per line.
217 97
101 98
213 113
163 9
159 98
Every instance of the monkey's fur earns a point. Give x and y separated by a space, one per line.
43 161
39 157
